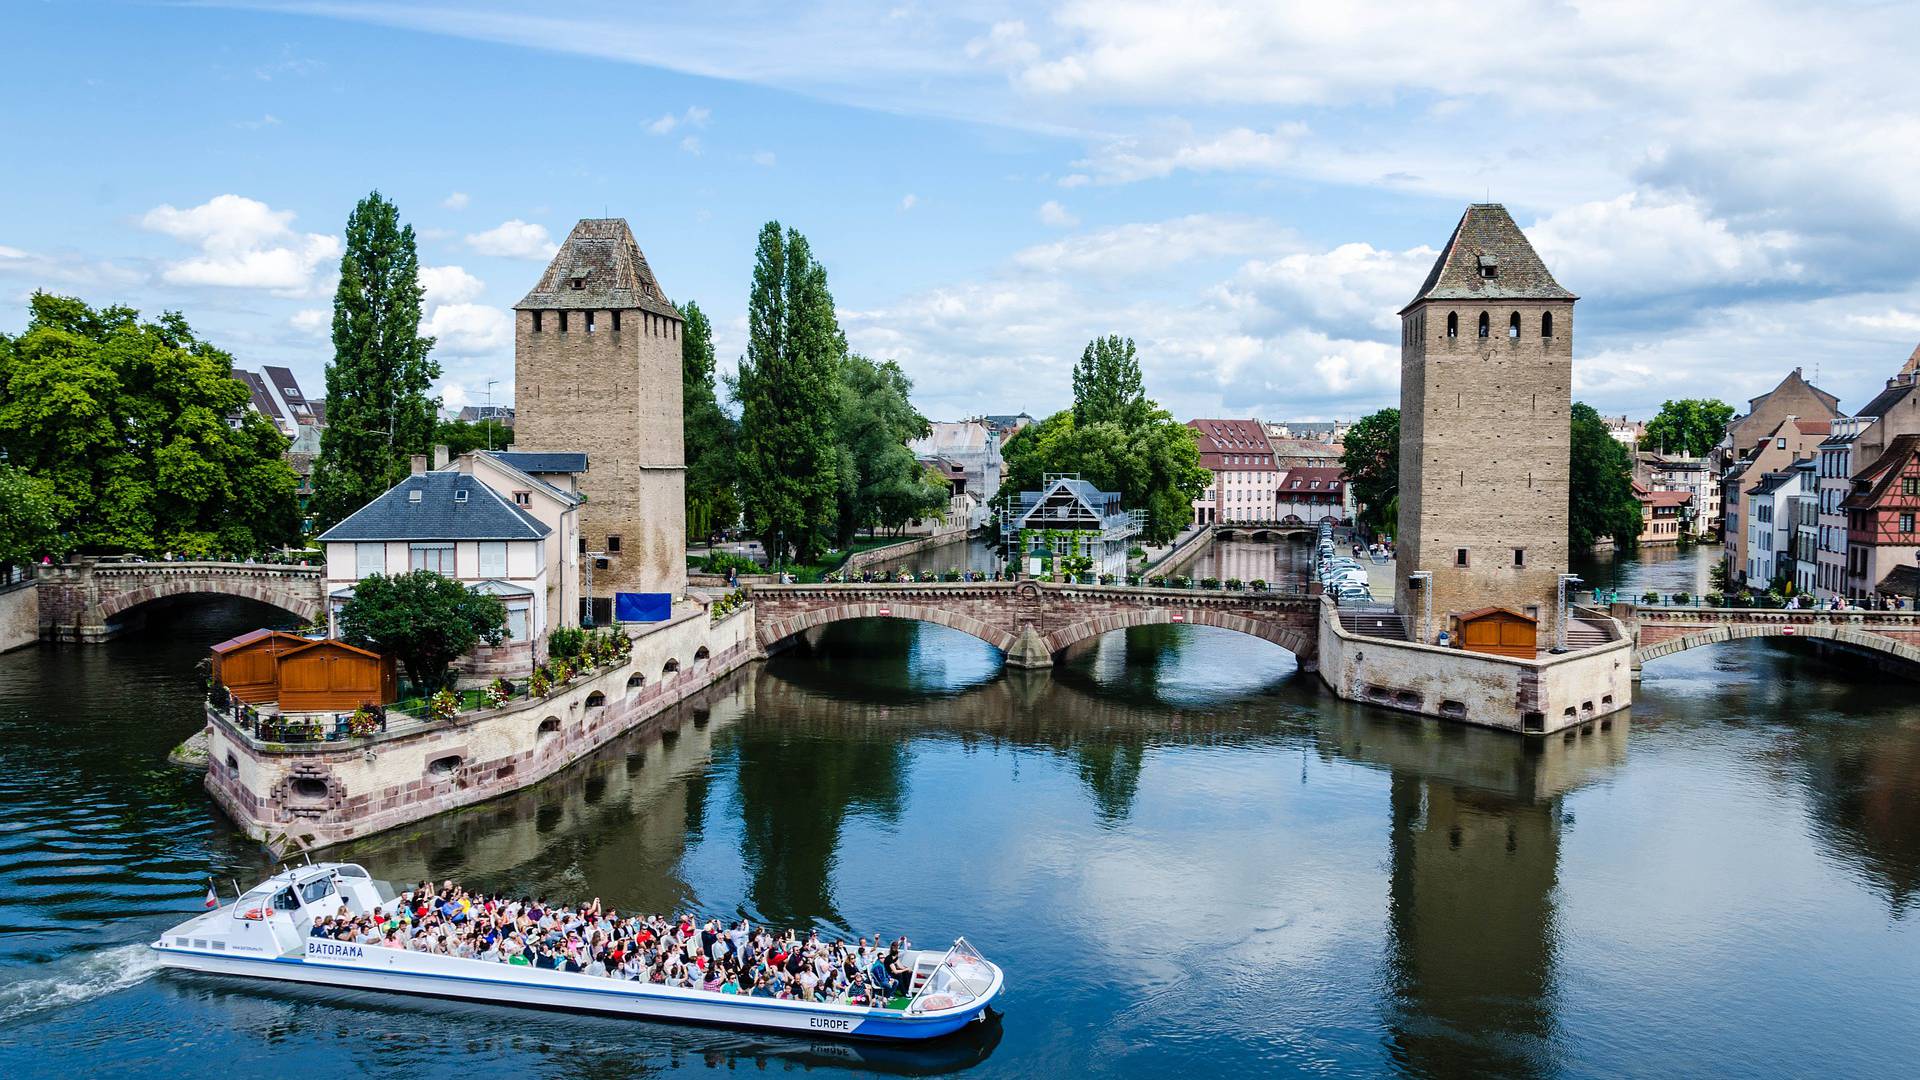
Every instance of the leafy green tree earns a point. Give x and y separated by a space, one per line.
1371 460
142 434
1140 451
29 518
1600 485
1690 426
787 388
466 436
378 408
881 483
424 620
1108 386
711 435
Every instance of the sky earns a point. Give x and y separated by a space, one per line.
1249 190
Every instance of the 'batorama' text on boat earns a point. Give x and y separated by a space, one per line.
265 935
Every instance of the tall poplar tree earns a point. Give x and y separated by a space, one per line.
789 456
710 435
378 409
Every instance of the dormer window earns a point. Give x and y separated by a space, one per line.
578 279
413 496
1489 267
460 496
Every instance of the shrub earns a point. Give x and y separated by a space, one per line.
1209 582
721 562
1650 598
1235 584
1106 579
498 691
1715 599
541 684
1181 581
1682 598
1136 552
566 641
443 705
1259 584
1157 582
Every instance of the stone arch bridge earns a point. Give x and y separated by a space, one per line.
1032 621
92 601
1661 631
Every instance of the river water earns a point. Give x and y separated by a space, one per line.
1187 856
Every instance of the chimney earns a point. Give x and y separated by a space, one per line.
419 464
439 456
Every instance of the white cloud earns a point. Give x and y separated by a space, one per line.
908 201
450 285
696 116
1144 250
244 243
469 330
763 158
313 322
514 239
266 121
456 201
1177 148
1637 244
41 269
1056 216
1256 338
691 144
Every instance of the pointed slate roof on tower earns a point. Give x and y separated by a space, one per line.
599 268
1488 258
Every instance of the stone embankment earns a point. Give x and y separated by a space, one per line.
19 614
309 795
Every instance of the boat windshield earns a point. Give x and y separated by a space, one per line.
961 976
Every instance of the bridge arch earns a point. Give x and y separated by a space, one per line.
304 607
1846 635
774 632
1302 641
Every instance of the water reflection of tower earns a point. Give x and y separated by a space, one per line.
1476 826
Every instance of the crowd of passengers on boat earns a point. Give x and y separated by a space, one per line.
592 940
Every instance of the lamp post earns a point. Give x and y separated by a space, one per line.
586 619
487 417
1566 583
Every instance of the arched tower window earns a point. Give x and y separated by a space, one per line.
1513 326
1546 324
1485 326
1453 324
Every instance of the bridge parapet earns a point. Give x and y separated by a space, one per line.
1662 631
87 600
1031 621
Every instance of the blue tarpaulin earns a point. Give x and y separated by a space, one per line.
642 606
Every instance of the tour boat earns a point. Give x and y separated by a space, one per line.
265 935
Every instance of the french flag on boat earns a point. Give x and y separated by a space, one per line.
213 898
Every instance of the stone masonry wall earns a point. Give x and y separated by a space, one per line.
1484 456
614 394
1058 615
322 794
1491 691
19 616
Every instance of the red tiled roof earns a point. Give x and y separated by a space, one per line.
1220 438
1667 498
1814 427
1313 479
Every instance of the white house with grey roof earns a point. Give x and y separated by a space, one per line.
483 522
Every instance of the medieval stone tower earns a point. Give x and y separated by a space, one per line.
1486 359
596 350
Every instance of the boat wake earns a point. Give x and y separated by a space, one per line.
77 979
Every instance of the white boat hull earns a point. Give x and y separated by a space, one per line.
367 967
